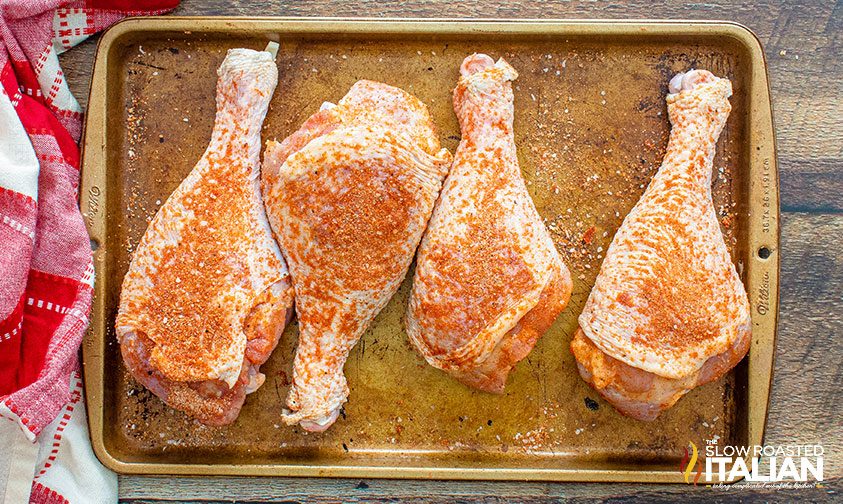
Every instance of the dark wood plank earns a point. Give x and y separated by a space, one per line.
651 495
809 371
278 490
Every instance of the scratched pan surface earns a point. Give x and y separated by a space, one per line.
591 129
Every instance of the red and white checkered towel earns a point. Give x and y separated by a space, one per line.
46 273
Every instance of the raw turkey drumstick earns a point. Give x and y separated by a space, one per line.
348 197
668 311
489 281
207 293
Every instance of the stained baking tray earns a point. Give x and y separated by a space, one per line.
591 129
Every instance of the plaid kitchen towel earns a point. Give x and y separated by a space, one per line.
46 272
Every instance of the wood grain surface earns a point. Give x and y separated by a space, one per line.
802 41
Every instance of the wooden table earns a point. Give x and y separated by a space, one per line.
805 55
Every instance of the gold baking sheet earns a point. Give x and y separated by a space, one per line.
591 129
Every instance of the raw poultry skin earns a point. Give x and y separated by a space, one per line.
489 281
668 311
348 197
207 293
